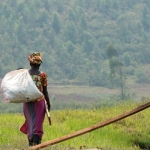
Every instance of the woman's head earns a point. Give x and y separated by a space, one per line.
35 58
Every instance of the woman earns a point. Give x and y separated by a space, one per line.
34 112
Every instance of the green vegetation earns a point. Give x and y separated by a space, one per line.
131 133
75 108
72 36
116 69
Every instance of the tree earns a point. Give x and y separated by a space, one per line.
83 23
111 51
145 18
56 23
42 18
70 32
127 59
70 47
88 43
71 15
115 66
20 30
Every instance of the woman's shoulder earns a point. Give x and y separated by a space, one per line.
43 74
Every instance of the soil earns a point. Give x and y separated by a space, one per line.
86 93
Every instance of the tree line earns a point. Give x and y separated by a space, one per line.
73 37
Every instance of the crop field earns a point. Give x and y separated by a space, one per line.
130 133
79 108
94 97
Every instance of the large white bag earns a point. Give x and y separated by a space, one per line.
18 87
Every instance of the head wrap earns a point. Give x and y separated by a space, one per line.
35 58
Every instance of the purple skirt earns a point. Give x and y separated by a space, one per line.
34 113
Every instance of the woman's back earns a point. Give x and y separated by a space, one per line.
40 79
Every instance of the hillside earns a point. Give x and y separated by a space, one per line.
72 37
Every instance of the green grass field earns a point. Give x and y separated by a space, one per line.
75 108
132 133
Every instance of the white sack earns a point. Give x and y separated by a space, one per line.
17 86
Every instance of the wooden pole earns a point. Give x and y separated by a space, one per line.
91 128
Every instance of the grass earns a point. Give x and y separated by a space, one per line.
127 134
75 108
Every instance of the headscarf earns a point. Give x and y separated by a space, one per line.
35 58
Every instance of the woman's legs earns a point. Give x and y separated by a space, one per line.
34 114
35 140
30 142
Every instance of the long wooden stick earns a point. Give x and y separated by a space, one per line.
91 128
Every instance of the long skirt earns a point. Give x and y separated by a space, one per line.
34 113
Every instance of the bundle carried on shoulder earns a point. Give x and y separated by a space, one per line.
18 87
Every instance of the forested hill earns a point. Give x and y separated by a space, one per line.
72 36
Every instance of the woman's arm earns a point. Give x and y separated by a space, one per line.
45 92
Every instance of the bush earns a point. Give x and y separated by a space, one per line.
141 77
